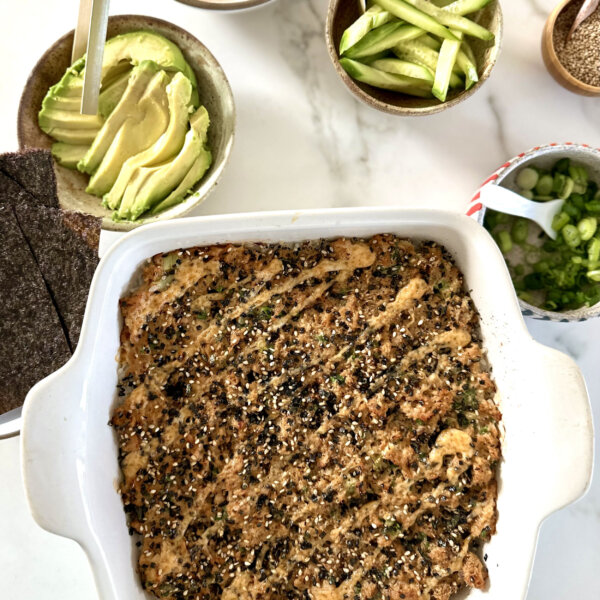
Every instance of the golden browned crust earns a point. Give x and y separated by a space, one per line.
308 422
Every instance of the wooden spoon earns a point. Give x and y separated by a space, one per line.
90 36
587 8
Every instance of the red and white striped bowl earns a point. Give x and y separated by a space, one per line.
542 156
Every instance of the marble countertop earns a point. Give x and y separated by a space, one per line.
303 141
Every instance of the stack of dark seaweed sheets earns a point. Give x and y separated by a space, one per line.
47 260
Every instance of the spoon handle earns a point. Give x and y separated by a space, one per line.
80 38
95 51
505 201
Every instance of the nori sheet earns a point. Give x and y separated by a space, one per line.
33 170
33 340
65 247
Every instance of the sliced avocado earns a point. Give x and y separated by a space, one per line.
199 168
135 183
74 89
74 136
50 118
148 120
200 122
68 155
115 72
69 86
111 94
179 93
159 181
67 95
137 85
63 103
69 81
137 46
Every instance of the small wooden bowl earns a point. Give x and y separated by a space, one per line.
215 94
554 66
342 13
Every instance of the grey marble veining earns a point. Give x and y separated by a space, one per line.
303 141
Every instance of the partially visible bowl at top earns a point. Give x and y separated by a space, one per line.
213 88
225 4
543 157
342 13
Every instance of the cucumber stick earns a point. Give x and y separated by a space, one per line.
401 67
430 42
370 19
469 51
386 81
383 38
435 44
464 7
406 11
416 51
369 60
452 20
445 65
467 66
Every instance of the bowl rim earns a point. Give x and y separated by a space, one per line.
231 5
477 211
196 197
548 45
391 109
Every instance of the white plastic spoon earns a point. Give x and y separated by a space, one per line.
504 201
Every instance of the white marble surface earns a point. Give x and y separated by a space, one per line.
302 140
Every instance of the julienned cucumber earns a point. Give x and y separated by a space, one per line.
416 51
468 68
443 73
465 7
369 60
430 42
469 51
414 46
453 20
403 10
370 19
383 38
387 81
402 67
435 44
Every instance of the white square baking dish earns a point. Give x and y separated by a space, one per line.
69 453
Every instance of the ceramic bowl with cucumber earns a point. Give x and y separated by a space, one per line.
414 56
162 132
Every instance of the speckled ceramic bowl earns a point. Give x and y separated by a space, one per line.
545 157
225 4
215 94
342 13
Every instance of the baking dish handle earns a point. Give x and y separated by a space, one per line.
566 432
51 442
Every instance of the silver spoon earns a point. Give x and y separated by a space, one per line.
505 201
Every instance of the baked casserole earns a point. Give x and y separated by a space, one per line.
308 421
